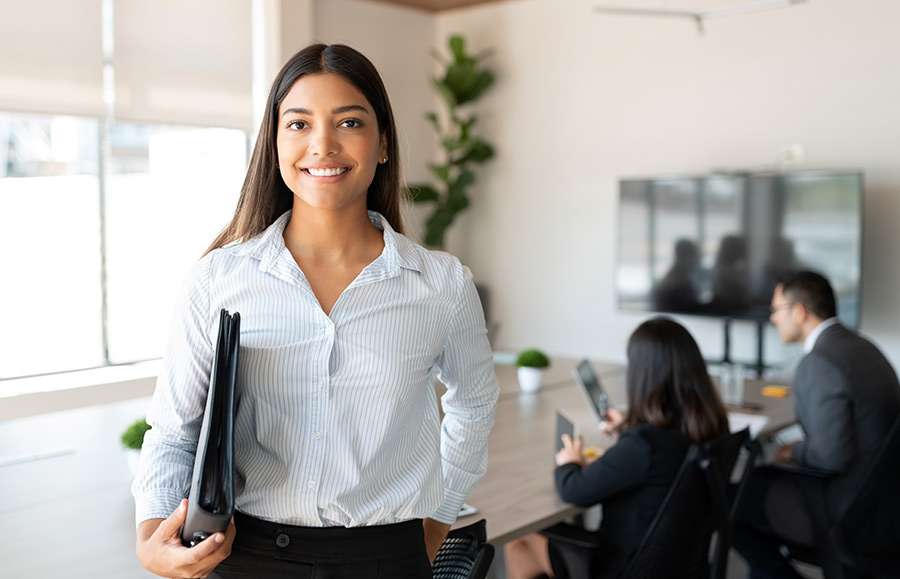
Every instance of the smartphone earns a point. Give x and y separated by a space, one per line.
590 386
564 425
466 510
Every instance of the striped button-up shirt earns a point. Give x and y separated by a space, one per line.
337 423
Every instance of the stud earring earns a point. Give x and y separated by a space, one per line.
384 160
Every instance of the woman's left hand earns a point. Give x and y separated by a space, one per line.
435 533
572 451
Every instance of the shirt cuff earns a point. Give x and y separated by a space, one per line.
448 512
158 505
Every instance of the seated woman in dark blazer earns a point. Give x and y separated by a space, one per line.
671 404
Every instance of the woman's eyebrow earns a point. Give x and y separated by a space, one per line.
349 108
337 111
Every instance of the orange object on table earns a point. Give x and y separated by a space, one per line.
776 391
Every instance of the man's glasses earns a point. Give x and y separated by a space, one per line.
773 309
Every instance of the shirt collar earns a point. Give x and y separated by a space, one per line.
813 336
399 251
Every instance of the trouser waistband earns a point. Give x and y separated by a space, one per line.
327 544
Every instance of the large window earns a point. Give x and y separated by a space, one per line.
169 191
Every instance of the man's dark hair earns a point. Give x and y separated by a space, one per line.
810 289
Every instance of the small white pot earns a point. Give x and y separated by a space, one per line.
530 378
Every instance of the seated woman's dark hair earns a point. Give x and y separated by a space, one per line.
668 385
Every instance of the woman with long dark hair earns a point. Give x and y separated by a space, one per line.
671 404
343 464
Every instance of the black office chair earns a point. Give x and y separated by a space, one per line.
465 554
677 542
865 540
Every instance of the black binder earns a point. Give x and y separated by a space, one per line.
211 501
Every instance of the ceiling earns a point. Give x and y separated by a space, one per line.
438 5
690 5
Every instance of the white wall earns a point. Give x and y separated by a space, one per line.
584 98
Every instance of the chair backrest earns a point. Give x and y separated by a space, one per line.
464 554
868 534
726 451
677 543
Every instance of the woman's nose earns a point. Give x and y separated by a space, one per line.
324 142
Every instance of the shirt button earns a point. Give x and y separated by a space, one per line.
329 330
320 383
283 540
318 435
311 484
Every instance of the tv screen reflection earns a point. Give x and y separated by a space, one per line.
715 245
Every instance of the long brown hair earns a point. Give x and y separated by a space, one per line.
264 195
668 385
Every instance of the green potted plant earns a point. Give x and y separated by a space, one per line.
132 440
531 364
463 82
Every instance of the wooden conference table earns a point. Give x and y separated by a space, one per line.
517 495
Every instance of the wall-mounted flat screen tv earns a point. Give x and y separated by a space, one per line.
714 245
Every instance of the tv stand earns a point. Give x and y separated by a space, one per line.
726 350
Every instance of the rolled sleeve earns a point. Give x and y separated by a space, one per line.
466 368
176 411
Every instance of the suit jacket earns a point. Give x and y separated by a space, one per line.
846 398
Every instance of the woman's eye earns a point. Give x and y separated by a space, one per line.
351 123
296 125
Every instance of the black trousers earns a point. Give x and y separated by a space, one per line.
273 551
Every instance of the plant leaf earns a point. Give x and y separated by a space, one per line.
457 200
458 47
446 92
433 118
420 193
437 225
478 153
464 179
461 77
456 144
442 172
476 83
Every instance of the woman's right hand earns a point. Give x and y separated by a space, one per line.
613 419
160 550
571 452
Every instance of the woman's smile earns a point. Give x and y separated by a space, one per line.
326 171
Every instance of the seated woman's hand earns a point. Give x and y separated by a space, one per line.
572 451
612 421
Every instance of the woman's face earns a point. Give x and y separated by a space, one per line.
328 142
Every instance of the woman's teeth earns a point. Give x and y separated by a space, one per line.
326 172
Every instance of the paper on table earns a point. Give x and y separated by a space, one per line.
739 421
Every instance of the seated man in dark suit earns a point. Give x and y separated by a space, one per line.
846 399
